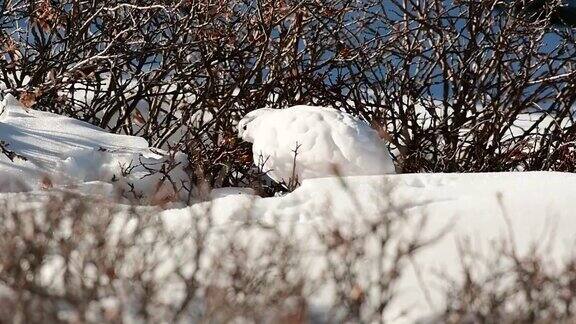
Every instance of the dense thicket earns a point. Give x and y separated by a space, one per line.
446 82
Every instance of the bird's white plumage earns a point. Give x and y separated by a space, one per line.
330 142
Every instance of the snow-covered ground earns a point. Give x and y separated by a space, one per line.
483 208
61 153
57 151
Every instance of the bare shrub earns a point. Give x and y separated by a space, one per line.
507 286
68 258
61 260
514 289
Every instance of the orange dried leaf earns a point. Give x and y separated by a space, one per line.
46 183
28 99
137 115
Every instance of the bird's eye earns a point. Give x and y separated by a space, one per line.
244 127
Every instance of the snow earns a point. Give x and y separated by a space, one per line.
61 151
305 142
230 191
484 208
66 154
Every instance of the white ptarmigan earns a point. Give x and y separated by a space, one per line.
328 143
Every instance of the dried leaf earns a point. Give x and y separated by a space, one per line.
137 115
46 183
28 99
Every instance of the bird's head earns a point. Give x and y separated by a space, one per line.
248 123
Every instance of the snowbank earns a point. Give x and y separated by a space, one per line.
482 208
57 151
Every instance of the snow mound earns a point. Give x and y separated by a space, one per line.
312 142
53 150
483 208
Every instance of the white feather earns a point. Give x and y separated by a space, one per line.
328 143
